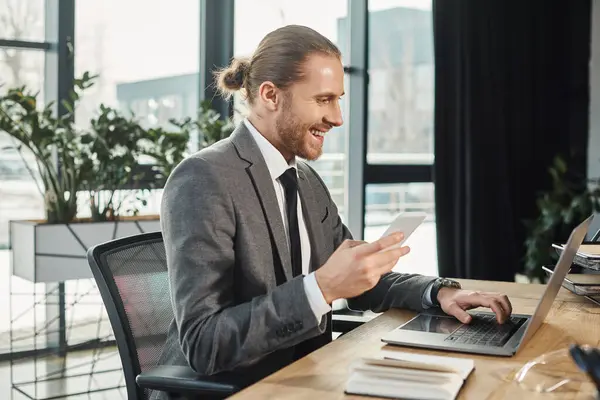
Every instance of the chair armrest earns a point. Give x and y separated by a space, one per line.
345 320
342 326
180 379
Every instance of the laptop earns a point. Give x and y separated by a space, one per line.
434 329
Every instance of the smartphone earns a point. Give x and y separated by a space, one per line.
407 223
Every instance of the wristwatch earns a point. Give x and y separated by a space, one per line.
440 283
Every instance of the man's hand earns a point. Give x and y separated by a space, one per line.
455 302
356 267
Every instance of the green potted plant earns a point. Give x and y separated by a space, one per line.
104 161
570 200
59 152
112 154
167 148
164 149
207 128
55 144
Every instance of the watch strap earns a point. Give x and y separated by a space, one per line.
440 283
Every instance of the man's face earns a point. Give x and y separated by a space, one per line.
311 107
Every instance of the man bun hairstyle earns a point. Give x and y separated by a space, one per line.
278 58
231 79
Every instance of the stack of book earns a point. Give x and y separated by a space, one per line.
586 282
588 255
403 375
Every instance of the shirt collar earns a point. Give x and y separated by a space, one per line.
275 161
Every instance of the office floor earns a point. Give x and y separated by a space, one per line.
84 369
49 385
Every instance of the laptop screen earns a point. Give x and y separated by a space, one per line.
554 284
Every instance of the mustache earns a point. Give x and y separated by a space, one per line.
321 127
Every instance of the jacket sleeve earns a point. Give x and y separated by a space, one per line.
216 334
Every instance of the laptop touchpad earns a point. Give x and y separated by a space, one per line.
432 324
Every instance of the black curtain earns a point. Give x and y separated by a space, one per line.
511 92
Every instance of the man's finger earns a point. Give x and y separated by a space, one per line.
349 243
505 303
385 258
502 299
387 267
492 303
344 245
378 245
354 243
456 311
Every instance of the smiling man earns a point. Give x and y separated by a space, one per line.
256 250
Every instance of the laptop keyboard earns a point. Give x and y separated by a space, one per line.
485 331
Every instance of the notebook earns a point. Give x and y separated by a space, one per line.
591 250
396 374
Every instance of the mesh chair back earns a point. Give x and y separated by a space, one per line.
131 274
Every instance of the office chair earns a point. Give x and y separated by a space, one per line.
131 274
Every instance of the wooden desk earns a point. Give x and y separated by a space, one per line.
323 374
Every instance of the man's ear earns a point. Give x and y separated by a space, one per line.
269 95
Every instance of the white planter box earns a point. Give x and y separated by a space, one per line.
57 252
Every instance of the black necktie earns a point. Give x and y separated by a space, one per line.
289 180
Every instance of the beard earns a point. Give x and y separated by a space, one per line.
295 136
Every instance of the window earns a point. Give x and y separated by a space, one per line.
401 89
384 202
330 21
22 20
400 124
21 68
146 54
273 14
19 195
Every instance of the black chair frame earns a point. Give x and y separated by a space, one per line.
178 381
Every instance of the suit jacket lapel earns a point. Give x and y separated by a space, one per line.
263 184
311 212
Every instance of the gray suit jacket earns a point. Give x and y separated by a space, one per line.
239 312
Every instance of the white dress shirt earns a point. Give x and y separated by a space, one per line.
277 165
